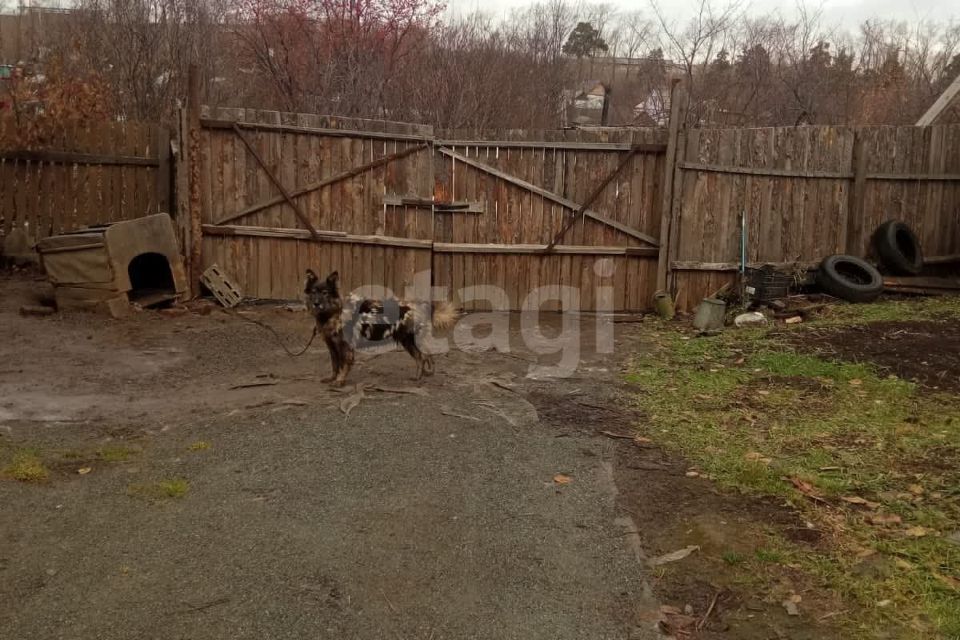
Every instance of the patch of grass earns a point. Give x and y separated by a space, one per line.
933 308
27 467
732 558
771 556
163 489
176 488
117 453
751 413
199 445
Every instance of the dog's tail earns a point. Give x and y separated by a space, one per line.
445 314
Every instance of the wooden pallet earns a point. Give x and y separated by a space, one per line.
223 289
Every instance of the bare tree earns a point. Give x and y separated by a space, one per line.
694 43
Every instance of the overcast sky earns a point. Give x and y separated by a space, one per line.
848 13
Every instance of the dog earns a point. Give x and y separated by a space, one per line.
343 322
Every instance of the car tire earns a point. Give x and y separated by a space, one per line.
849 278
897 248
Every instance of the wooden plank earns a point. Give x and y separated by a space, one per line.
323 236
570 146
68 157
451 247
923 291
926 282
945 259
770 172
458 206
549 195
915 177
852 216
694 265
941 104
677 114
277 183
326 182
210 123
194 176
579 211
680 190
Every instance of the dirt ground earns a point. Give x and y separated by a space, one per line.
924 351
202 484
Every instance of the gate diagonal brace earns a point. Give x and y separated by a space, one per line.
590 200
279 185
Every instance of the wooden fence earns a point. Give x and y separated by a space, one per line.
804 193
636 210
267 195
86 176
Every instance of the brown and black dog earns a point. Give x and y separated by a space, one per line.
343 322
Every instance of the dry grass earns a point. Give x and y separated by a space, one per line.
871 462
26 466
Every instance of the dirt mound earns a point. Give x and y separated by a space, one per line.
927 352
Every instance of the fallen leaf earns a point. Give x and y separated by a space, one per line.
903 564
351 402
856 382
679 554
794 320
740 361
756 456
562 478
861 501
641 440
692 474
950 581
763 392
915 489
805 487
916 532
669 610
84 470
884 603
884 518
796 597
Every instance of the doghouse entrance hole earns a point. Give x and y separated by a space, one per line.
151 280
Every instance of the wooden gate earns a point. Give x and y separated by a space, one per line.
390 204
285 192
577 209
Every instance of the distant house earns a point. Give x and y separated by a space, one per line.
654 110
637 90
587 105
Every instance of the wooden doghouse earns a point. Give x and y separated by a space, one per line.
109 266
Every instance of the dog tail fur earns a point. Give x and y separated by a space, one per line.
445 314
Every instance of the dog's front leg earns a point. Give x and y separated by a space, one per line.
346 361
334 359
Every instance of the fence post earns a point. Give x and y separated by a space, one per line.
193 168
163 169
678 114
855 206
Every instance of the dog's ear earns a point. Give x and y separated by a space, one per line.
311 280
333 280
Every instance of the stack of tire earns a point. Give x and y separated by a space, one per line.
897 250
